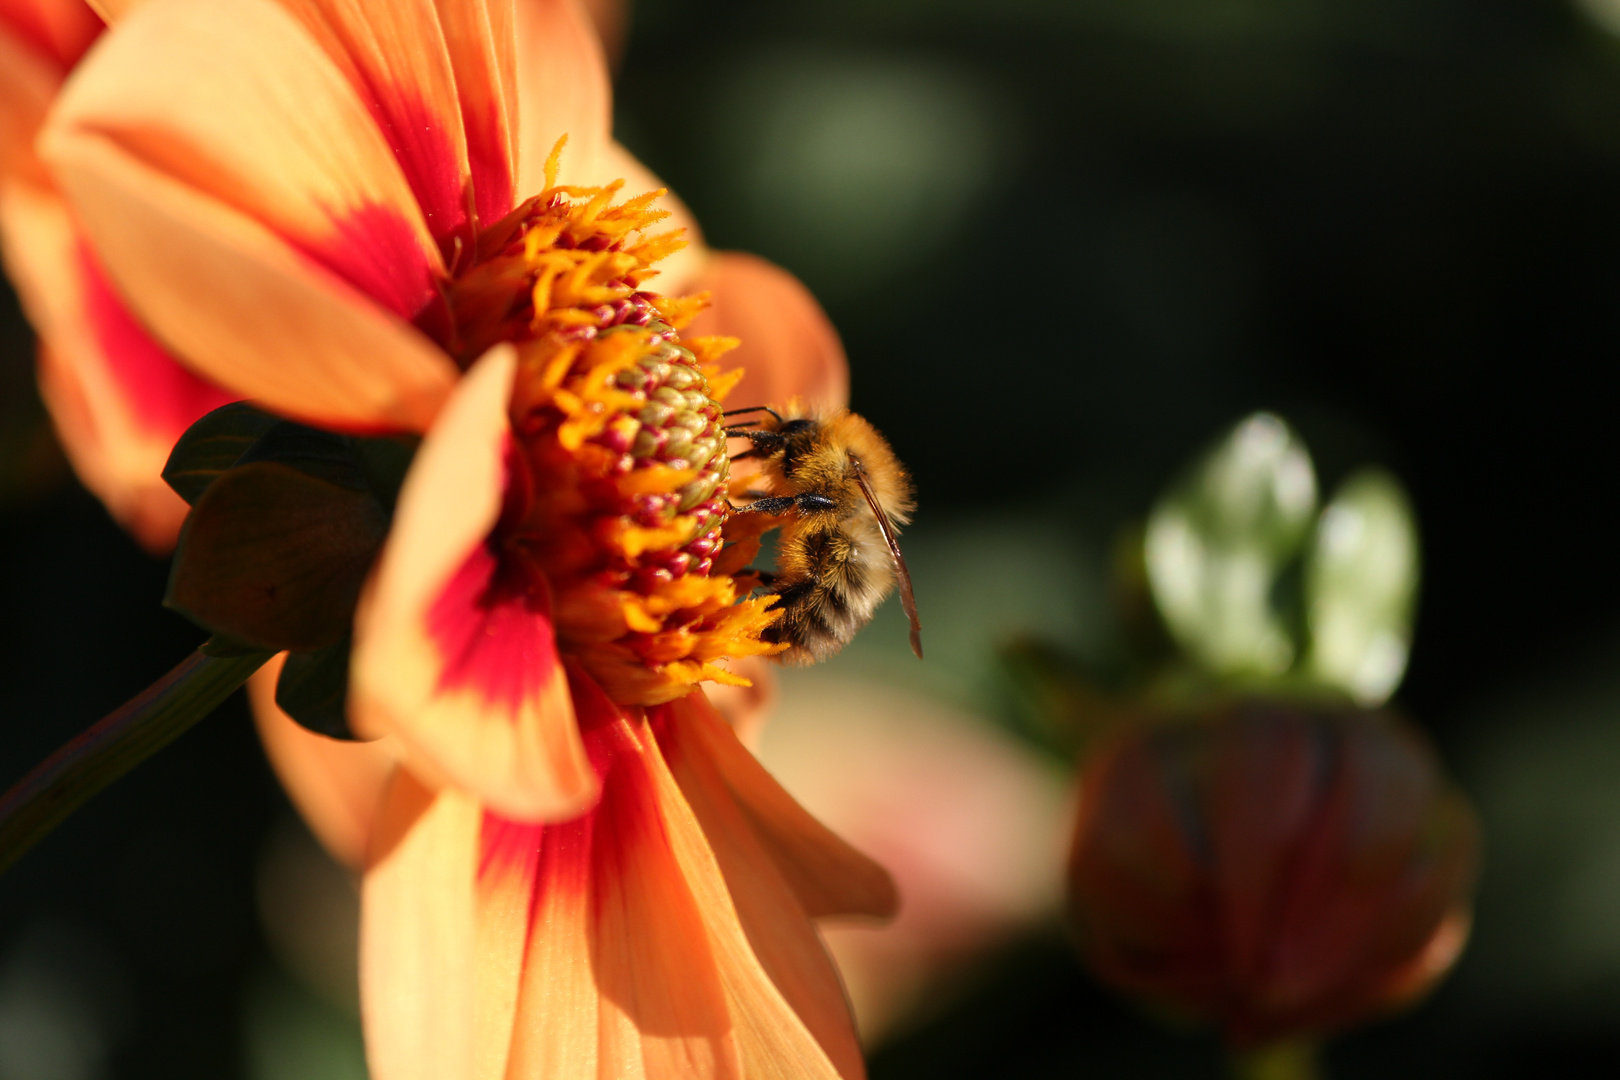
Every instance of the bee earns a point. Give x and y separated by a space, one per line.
838 556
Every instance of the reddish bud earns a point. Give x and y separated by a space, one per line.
1282 870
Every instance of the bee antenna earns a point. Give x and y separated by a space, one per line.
754 408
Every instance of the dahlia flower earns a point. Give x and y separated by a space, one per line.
571 865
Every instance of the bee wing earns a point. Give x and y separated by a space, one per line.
908 600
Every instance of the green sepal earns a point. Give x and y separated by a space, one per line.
314 688
385 460
275 557
1052 700
324 455
212 445
224 647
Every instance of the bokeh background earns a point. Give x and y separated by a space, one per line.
1067 243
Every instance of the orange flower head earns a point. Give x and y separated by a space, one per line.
615 496
573 867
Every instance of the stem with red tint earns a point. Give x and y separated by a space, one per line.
66 780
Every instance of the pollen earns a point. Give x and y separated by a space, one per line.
619 471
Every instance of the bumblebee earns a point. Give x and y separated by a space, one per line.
838 555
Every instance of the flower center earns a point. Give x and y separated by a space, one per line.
618 470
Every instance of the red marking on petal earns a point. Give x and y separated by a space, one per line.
515 847
163 397
427 155
492 623
60 31
508 846
375 250
492 181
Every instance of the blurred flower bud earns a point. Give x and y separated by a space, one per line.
1217 542
1361 585
1281 870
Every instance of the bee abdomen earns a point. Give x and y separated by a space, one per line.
820 614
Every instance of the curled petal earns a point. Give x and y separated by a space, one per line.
634 961
773 1039
562 89
454 646
337 786
828 875
280 257
789 348
611 19
770 907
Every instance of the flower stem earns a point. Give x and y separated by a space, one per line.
1279 1061
66 780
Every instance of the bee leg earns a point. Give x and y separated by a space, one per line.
762 440
804 502
773 504
808 501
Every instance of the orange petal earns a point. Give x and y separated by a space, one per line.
482 41
454 647
664 1009
57 30
419 939
232 99
111 10
746 708
617 927
828 876
637 965
611 20
337 786
772 1038
778 926
28 83
118 400
562 89
789 348
425 70
281 256
536 879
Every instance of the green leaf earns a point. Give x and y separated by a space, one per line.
212 445
1361 580
1219 543
274 557
314 689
